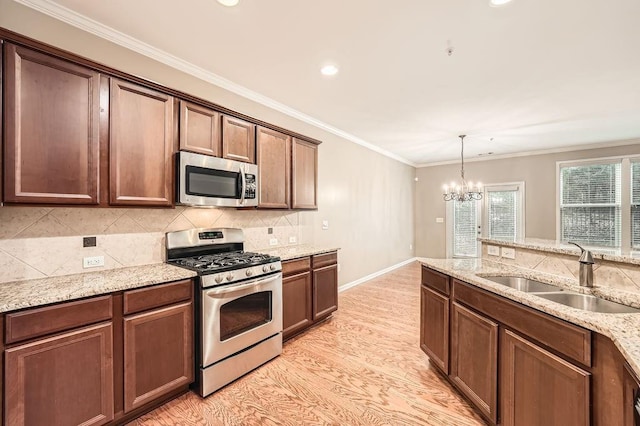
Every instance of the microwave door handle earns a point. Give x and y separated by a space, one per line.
244 185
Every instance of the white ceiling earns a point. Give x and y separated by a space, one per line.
532 75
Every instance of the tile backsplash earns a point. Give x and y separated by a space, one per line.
36 242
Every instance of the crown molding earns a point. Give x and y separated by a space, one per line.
96 28
581 147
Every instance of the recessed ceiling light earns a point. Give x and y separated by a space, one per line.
496 3
228 3
329 70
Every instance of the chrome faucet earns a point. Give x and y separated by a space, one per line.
586 267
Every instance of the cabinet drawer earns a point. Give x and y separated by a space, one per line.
51 319
570 340
157 296
291 267
436 280
321 260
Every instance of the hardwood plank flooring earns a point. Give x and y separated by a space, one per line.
363 366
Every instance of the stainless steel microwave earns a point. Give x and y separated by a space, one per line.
217 182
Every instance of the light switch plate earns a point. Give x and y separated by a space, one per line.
508 253
493 250
92 262
325 225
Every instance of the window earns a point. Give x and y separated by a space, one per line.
504 211
464 223
635 204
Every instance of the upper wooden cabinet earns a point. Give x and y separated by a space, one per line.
142 142
304 182
199 129
274 168
238 140
51 129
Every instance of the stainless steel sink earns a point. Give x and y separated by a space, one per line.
587 302
524 284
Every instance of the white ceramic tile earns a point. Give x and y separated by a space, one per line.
13 269
87 221
47 226
14 220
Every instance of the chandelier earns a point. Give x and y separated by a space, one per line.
463 191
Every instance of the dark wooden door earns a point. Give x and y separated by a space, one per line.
304 179
52 146
274 168
434 327
474 358
61 380
199 129
142 143
325 291
158 353
297 309
238 140
539 388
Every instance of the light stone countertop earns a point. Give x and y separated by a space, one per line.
553 246
622 329
43 291
294 252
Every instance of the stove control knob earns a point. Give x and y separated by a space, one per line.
265 268
219 279
249 272
272 267
229 277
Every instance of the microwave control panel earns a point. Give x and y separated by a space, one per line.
250 191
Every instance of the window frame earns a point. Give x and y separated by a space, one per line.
520 220
450 231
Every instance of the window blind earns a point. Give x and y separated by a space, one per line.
465 229
590 204
502 210
635 204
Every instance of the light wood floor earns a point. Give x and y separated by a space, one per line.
364 366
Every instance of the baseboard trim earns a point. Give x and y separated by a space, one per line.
366 278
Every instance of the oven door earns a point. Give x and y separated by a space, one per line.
218 182
237 316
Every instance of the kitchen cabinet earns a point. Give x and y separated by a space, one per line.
274 168
304 179
52 131
310 291
540 388
142 142
477 375
238 139
631 387
434 327
199 129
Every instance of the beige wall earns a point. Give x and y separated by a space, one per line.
366 197
537 171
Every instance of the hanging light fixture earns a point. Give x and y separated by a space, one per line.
463 191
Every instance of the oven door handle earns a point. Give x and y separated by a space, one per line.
244 185
239 287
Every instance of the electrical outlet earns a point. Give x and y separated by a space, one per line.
493 250
292 240
325 225
439 219
273 242
508 253
410 246
92 262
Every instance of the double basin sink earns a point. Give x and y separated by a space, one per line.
585 302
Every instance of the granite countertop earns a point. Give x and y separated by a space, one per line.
553 246
294 252
622 329
43 291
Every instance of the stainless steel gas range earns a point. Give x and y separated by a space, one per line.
239 303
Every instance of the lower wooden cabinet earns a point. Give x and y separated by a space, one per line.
474 358
540 388
62 380
158 353
325 291
631 387
297 310
434 327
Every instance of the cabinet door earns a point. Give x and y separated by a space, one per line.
52 110
62 380
304 181
434 327
631 387
238 140
474 358
296 304
158 353
539 388
325 291
199 129
142 142
274 164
